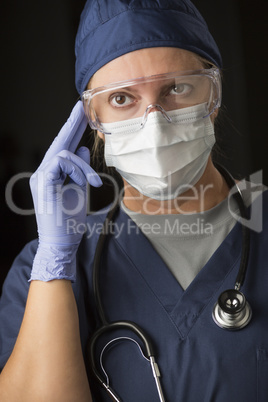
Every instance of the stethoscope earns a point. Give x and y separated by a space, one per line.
232 311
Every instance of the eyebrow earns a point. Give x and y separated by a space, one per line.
134 88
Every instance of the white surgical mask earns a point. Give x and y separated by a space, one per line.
161 160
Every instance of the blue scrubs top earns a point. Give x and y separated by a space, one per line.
198 360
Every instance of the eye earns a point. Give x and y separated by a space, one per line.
120 100
181 89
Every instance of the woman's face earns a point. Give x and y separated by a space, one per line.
142 63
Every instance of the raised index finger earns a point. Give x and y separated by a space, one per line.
70 134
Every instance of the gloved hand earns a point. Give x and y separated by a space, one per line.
56 204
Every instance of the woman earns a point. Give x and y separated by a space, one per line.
148 74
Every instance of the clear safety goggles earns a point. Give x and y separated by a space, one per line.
136 98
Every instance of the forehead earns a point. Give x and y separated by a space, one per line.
145 62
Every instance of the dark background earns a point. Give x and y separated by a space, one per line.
38 93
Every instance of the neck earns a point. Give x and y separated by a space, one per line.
208 192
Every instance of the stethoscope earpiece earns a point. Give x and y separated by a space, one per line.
232 311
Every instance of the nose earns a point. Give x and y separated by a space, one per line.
154 107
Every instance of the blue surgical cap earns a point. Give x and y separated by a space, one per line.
110 28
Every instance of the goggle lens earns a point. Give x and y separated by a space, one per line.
129 99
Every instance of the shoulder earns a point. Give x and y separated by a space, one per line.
95 222
91 232
16 286
20 270
94 227
13 299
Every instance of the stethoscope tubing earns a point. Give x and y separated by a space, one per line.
245 230
97 263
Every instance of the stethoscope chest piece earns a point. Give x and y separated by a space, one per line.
232 311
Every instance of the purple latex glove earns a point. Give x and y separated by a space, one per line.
56 204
